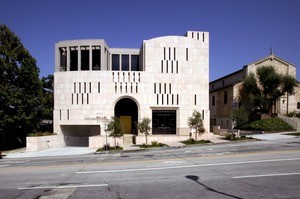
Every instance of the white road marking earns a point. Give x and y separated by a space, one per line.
266 175
64 187
4 165
186 166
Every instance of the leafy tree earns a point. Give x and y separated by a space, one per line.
196 122
144 127
264 88
240 116
48 99
20 91
115 129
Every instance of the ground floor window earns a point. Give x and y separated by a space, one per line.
164 122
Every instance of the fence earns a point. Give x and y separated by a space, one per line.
290 121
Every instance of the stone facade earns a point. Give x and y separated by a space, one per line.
165 80
224 92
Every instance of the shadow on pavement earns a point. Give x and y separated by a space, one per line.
196 179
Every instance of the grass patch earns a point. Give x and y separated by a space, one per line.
293 134
153 144
191 141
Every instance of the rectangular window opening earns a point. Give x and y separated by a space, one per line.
115 62
73 59
63 59
96 57
125 62
85 57
134 62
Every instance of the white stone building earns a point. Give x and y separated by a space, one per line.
165 80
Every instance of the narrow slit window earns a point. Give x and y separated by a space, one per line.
174 53
87 98
60 114
203 37
176 66
164 53
177 99
90 88
84 87
172 99
169 53
115 87
170 88
159 88
68 114
167 67
162 99
162 66
99 87
187 54
72 98
136 88
79 87
167 99
154 88
165 88
157 99
74 87
131 88
195 99
172 66
77 98
121 87
82 98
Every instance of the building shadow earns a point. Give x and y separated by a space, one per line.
196 179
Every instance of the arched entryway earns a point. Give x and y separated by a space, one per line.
127 110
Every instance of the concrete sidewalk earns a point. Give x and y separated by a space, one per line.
21 153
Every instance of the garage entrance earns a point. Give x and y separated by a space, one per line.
78 135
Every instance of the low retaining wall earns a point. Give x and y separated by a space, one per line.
100 141
43 142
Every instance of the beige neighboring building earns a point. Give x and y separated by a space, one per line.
224 92
165 80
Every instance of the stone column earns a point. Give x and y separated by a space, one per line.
90 57
79 58
68 58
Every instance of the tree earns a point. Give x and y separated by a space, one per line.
264 88
196 122
20 91
144 127
47 104
114 127
48 99
240 116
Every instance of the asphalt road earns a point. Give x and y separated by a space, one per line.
264 169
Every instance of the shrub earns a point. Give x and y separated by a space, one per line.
270 125
38 134
193 141
109 148
153 145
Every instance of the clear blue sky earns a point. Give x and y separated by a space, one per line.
241 31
